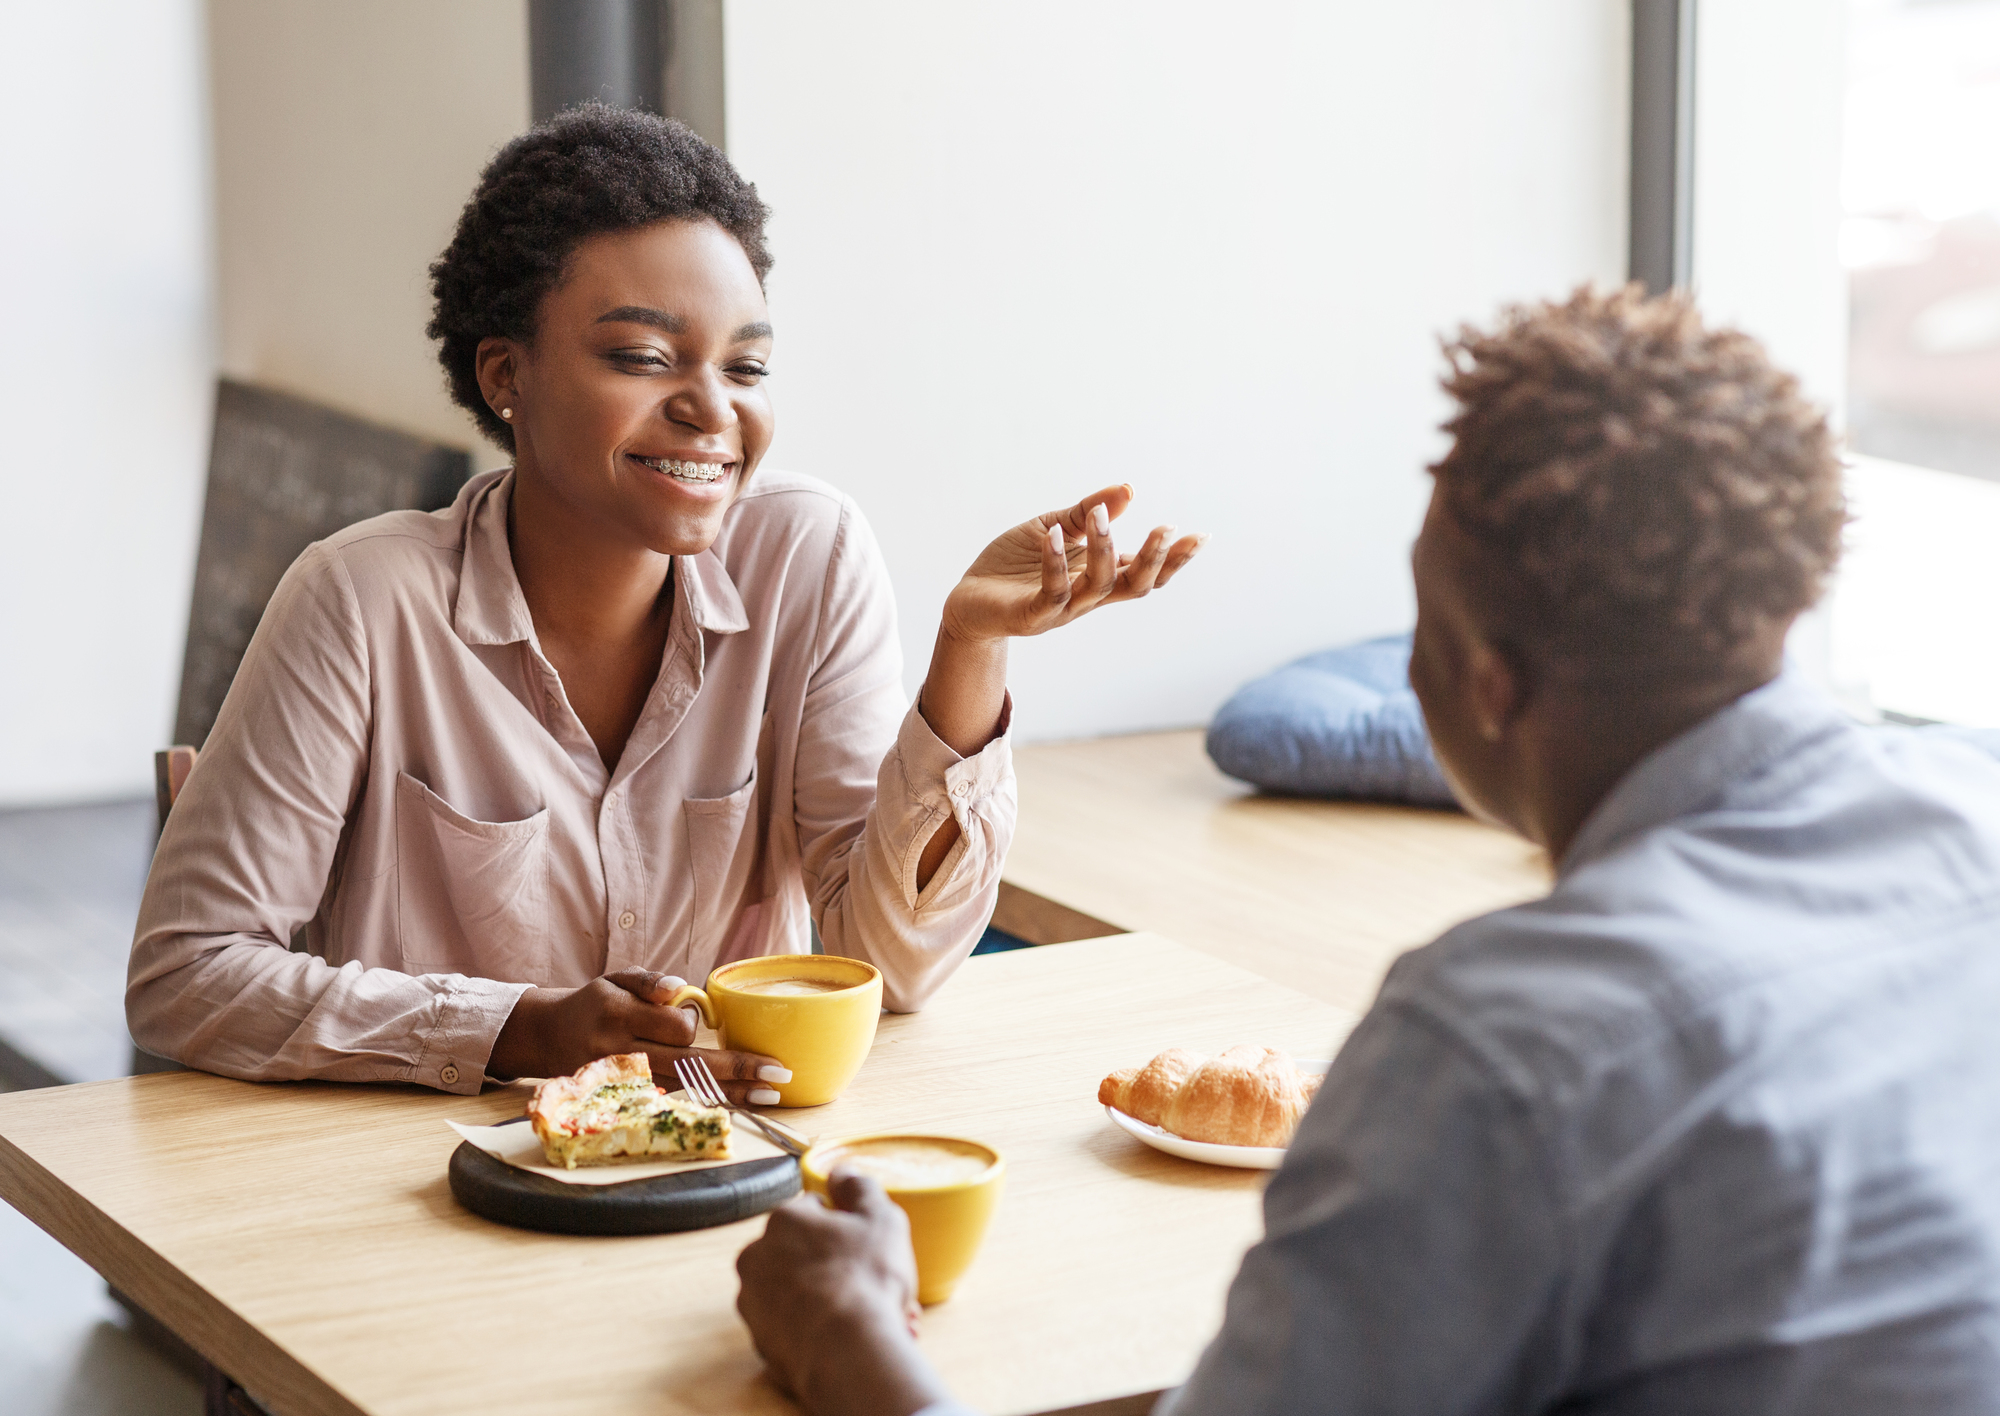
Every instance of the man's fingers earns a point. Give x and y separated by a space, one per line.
860 1194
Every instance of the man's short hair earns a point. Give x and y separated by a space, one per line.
1641 491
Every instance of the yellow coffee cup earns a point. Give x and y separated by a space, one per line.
815 1013
947 1185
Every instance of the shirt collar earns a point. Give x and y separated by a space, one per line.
1688 772
492 610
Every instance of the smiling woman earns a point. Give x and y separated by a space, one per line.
492 782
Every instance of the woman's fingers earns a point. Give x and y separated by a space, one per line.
644 983
1141 572
1178 556
1055 574
745 1077
1100 562
1075 520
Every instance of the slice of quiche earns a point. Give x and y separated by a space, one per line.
611 1111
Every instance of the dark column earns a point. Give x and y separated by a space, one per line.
1662 228
603 49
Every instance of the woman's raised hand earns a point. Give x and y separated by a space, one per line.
1059 567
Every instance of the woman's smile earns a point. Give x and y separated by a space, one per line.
691 470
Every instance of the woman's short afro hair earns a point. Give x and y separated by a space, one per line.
1645 494
588 170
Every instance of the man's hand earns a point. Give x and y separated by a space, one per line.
554 1031
830 1297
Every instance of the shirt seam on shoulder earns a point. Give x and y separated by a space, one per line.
1507 1082
833 555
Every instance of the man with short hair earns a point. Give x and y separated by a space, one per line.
1714 1127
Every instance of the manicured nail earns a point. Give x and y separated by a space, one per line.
1100 520
774 1074
763 1096
1056 539
1167 534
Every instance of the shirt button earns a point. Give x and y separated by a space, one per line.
449 1074
627 920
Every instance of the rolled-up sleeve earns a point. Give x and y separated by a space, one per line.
246 859
1412 1260
864 817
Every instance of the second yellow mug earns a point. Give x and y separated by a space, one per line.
815 1013
947 1185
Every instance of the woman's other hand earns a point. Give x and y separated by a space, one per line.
1059 567
554 1031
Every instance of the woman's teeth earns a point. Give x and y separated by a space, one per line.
687 471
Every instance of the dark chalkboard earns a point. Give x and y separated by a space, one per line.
285 473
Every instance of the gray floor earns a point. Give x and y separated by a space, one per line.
70 879
65 1348
69 890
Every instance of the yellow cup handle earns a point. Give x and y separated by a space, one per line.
687 993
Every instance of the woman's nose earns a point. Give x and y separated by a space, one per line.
702 402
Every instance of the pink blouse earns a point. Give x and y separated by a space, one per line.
399 824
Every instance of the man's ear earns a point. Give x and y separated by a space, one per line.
1498 692
496 364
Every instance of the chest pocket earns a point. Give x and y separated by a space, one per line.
722 857
472 896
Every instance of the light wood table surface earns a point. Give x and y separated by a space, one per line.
303 1238
1143 833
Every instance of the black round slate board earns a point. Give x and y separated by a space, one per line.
665 1204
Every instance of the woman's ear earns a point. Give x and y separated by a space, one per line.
496 364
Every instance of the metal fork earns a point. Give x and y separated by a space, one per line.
700 1084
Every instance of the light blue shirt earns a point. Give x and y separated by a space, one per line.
1713 1128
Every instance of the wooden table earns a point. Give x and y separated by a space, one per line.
1143 833
302 1237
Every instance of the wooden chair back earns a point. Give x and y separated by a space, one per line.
170 774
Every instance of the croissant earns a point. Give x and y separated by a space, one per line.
1247 1096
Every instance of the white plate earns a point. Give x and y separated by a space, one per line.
1242 1157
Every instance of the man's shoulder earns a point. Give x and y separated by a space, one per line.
1724 937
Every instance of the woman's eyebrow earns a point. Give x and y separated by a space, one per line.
674 324
645 315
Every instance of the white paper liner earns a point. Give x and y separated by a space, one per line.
518 1146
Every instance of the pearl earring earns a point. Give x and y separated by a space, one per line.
506 412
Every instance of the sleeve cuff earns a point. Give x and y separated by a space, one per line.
470 1014
938 776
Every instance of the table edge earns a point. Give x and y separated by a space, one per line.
217 1332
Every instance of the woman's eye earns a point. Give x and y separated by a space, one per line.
750 373
639 358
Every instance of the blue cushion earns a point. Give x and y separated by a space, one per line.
1342 723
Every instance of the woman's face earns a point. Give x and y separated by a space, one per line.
640 405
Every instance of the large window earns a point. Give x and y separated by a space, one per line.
1917 608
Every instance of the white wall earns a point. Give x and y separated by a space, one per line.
347 138
1027 250
105 385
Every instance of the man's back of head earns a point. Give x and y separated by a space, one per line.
1634 510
